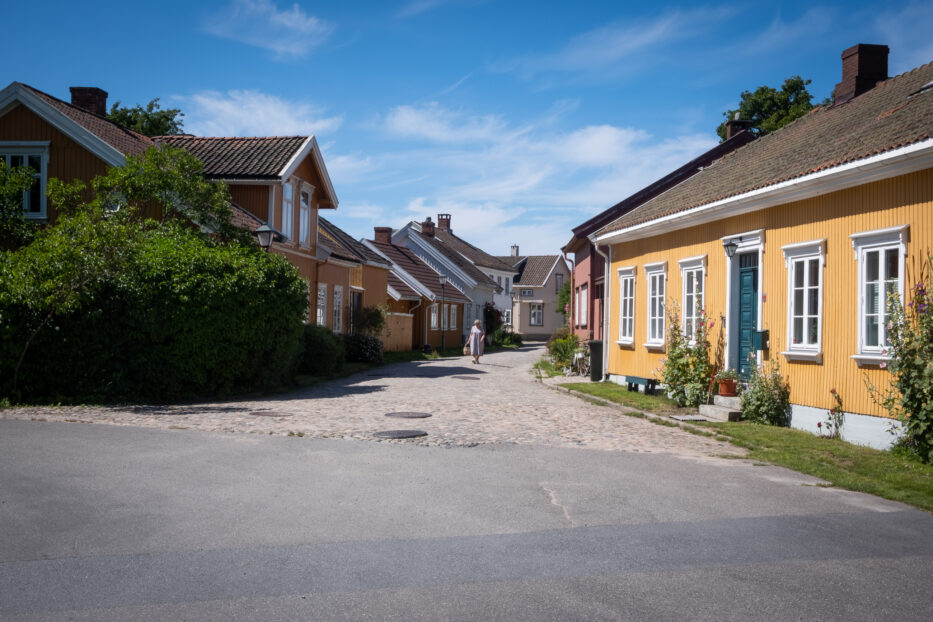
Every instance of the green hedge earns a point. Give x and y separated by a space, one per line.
129 311
323 353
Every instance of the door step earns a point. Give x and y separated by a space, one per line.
715 412
734 403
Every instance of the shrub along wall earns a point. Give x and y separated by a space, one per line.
121 310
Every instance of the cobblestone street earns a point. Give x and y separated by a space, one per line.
498 401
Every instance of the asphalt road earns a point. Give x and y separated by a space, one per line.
120 523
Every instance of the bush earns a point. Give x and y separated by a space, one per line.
909 396
108 308
505 337
323 353
767 400
363 349
370 320
560 333
686 371
492 318
562 350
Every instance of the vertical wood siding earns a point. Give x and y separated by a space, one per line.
904 200
252 198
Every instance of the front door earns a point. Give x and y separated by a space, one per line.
748 310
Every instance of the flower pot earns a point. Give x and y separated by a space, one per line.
727 387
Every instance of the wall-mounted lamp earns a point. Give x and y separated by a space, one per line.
730 246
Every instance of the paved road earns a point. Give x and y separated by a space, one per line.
105 522
495 402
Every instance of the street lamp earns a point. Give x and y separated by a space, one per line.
443 279
730 247
265 233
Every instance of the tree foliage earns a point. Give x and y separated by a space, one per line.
151 120
563 300
687 370
768 109
15 230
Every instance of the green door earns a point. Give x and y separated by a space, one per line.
748 310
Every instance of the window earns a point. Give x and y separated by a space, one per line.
804 299
584 304
576 307
558 282
444 315
467 316
287 217
656 275
453 317
507 317
880 255
35 156
627 305
322 304
692 271
477 311
338 308
434 317
304 225
499 281
527 293
537 314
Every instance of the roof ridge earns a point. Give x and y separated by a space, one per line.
194 137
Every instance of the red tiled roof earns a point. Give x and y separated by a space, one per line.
420 271
478 256
896 113
259 158
398 285
348 244
124 140
457 259
533 270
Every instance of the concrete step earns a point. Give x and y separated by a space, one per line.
720 413
734 403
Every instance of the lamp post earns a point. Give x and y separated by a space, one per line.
264 234
443 279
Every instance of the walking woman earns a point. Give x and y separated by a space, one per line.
477 341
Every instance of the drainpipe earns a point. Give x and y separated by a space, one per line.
607 295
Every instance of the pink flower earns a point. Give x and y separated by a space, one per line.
711 324
833 391
819 424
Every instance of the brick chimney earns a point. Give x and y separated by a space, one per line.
443 221
736 125
89 98
383 234
863 66
427 227
515 250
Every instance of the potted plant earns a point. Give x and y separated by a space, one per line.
727 379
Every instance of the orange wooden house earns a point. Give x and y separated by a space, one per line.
791 244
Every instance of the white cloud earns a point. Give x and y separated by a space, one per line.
253 113
435 123
907 33
417 7
288 33
349 167
780 34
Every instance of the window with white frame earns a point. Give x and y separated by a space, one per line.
288 200
656 277
576 307
477 312
467 316
444 315
804 298
692 272
880 255
584 303
537 314
558 282
453 317
338 308
627 305
36 157
507 317
304 220
322 304
434 321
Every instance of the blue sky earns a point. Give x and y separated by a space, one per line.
521 119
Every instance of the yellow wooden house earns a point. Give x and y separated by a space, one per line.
790 244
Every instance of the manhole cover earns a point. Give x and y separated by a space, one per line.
464 378
269 413
409 415
400 434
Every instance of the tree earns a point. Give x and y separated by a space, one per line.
15 230
768 109
151 120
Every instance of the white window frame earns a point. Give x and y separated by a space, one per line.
29 149
322 304
626 305
527 293
794 256
467 314
434 320
576 308
338 309
656 272
445 315
453 317
689 320
304 219
863 243
535 309
584 304
507 317
288 202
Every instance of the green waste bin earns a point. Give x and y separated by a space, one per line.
596 360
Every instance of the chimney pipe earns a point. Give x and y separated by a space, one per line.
383 234
863 66
443 221
736 125
427 227
89 98
515 250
